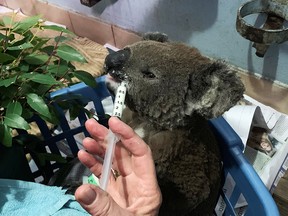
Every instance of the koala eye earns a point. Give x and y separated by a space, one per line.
148 74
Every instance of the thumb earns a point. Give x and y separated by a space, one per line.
97 202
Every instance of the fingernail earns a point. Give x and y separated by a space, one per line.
89 196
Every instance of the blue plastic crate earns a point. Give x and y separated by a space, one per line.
236 168
67 133
239 171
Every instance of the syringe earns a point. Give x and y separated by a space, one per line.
111 139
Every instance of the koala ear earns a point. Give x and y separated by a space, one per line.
213 90
156 36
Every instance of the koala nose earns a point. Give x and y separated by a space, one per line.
116 60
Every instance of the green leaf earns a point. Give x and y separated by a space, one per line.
58 70
68 53
85 77
7 20
26 87
57 28
2 36
11 37
36 59
6 58
5 135
75 111
53 118
21 47
40 44
40 78
43 157
42 89
27 113
48 49
8 82
16 121
29 140
38 104
70 98
1 23
14 107
24 67
61 39
26 24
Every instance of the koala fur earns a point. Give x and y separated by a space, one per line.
172 90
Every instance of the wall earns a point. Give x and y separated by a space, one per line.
207 25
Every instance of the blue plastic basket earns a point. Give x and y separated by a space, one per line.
245 181
244 178
67 133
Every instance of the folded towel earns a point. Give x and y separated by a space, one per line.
28 198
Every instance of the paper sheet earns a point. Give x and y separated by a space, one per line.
265 133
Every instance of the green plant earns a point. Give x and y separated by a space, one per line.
31 66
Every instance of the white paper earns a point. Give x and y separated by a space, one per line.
251 116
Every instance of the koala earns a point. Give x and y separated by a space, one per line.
172 92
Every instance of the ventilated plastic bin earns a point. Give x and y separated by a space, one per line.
66 134
240 178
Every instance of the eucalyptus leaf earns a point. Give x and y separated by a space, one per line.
45 79
40 44
43 157
11 37
8 82
42 88
26 87
40 78
61 39
5 135
48 49
70 98
2 36
58 70
53 118
1 23
30 67
89 114
27 114
57 28
21 47
54 157
6 58
24 67
7 94
8 21
38 104
85 77
16 121
14 107
36 59
68 53
30 140
26 24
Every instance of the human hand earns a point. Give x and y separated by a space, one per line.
135 191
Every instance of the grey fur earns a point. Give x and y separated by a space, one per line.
172 91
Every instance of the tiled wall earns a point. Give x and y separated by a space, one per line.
81 25
100 32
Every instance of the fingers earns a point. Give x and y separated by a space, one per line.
133 146
96 130
141 162
97 202
90 162
92 146
130 140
